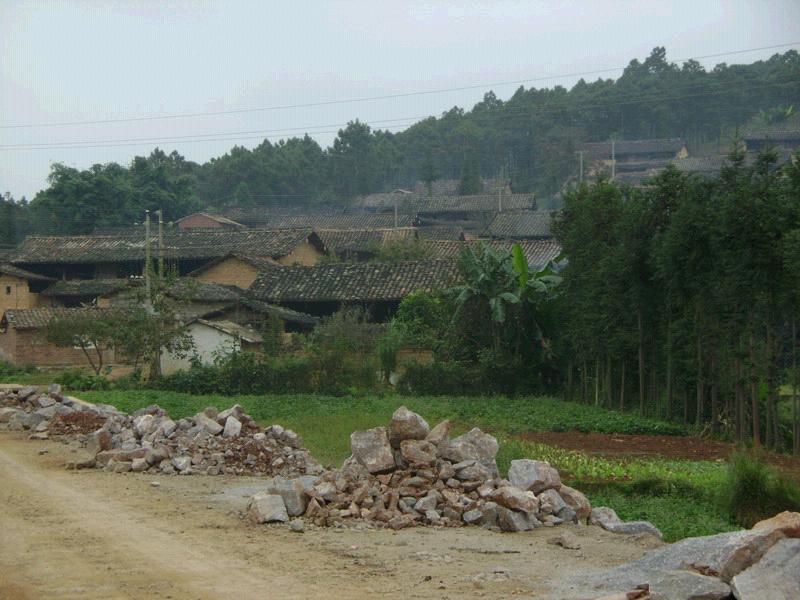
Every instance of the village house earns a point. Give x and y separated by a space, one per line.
123 256
212 340
23 338
234 269
519 225
20 288
377 287
537 252
361 244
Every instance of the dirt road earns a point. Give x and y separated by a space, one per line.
90 534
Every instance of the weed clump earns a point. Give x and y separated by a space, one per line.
754 490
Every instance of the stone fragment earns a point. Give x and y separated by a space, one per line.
267 508
236 411
472 517
565 539
533 475
208 423
167 426
418 452
776 576
292 492
474 472
786 522
425 504
577 501
607 519
98 441
372 450
45 401
473 445
515 499
81 460
551 503
440 433
54 391
26 392
233 427
181 463
512 520
143 424
297 526
138 465
406 425
7 413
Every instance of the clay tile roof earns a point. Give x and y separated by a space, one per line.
362 240
195 291
538 252
413 204
440 232
622 148
9 269
189 244
316 219
81 288
36 318
284 313
218 218
357 282
521 224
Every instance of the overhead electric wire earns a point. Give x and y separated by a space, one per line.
373 98
189 138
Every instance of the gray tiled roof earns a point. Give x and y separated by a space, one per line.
195 291
602 150
341 241
538 252
316 219
440 232
423 204
9 269
83 288
358 282
521 224
206 244
36 318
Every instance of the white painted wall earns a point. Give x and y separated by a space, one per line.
208 344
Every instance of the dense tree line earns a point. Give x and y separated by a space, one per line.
529 139
682 300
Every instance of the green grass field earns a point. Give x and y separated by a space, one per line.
678 496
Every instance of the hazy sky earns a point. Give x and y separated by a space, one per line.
88 61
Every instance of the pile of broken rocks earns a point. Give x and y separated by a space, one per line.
210 442
409 474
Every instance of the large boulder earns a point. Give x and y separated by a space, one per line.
407 425
776 576
534 475
294 493
512 520
473 445
576 501
418 452
372 450
516 499
267 508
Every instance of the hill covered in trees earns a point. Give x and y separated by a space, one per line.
530 139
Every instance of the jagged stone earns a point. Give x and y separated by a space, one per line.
267 508
418 452
440 433
406 425
776 576
292 491
473 445
577 501
512 520
607 519
233 427
208 423
372 450
534 475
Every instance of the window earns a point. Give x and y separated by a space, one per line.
8 290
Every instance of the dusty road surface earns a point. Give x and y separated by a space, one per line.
91 534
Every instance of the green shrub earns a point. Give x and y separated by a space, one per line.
754 490
440 379
80 380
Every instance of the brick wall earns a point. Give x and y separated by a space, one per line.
30 347
231 271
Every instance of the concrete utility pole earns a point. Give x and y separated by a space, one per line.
147 255
580 160
160 214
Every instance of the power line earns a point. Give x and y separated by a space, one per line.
722 87
374 98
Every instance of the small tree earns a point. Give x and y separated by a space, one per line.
94 335
429 173
272 335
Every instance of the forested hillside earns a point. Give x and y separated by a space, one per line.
529 138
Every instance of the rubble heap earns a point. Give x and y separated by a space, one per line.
409 474
210 442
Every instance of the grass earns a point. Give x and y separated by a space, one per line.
679 497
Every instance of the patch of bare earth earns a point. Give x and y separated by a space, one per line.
93 534
670 447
